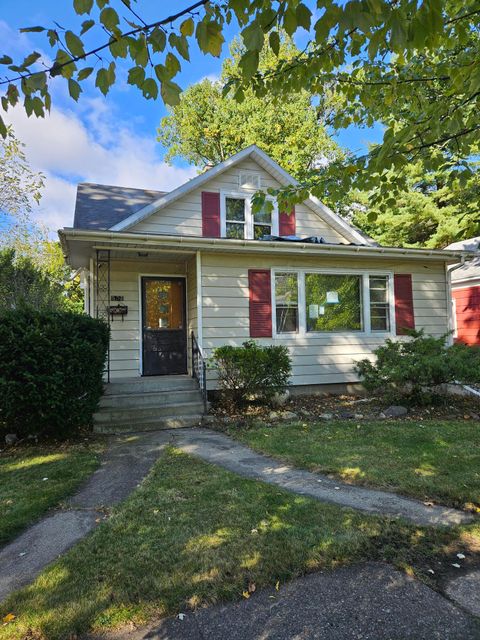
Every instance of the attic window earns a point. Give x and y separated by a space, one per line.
249 180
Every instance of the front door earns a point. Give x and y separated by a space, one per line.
164 331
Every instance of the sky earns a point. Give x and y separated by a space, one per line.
108 140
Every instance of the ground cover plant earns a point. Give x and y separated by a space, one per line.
194 534
428 459
34 479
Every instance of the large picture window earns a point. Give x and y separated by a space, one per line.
333 302
309 302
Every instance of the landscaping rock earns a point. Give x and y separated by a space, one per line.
346 415
273 415
289 415
326 416
395 411
359 416
11 438
210 420
305 413
280 399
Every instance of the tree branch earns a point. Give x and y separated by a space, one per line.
147 27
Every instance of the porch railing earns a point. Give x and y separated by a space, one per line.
199 370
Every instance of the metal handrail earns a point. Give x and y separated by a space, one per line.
199 370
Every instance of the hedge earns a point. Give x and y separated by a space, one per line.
51 368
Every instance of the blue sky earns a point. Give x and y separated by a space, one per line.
110 140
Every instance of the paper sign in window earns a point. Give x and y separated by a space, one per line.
313 311
332 297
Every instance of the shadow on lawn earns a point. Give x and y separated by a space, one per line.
194 535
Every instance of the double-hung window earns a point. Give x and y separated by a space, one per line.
309 302
235 219
286 302
239 221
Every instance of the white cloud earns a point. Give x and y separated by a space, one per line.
89 146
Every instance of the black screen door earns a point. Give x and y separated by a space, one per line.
164 332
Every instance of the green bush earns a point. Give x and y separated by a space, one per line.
251 371
51 366
413 369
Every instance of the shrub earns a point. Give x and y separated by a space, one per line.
51 366
251 371
414 369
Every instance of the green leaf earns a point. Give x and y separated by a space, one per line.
138 50
6 60
32 29
187 27
38 80
105 78
181 45
249 64
209 37
12 94
119 48
136 76
82 6
74 44
74 89
84 73
63 65
150 89
109 18
52 36
274 42
304 16
30 59
157 39
253 37
172 64
86 25
170 92
3 128
290 21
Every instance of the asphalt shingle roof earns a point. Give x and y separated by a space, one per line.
100 206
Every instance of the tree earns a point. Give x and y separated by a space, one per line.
429 213
411 66
22 284
206 127
20 188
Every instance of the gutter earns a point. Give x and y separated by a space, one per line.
221 244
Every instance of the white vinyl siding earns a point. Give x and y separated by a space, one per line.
317 358
184 217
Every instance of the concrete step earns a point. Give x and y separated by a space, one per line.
138 414
154 424
150 398
150 384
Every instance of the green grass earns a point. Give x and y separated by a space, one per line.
195 534
430 460
25 495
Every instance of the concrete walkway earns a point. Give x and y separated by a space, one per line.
370 601
219 449
125 463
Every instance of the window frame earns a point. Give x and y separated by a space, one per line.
302 311
249 221
274 306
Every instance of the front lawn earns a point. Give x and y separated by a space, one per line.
35 478
428 459
194 534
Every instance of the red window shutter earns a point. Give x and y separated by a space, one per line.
210 214
286 223
260 303
404 314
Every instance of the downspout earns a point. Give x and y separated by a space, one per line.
451 325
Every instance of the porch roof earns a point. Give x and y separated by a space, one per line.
78 246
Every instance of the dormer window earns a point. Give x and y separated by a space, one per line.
238 220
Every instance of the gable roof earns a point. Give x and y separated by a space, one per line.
101 206
327 215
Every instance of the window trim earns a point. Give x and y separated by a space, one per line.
249 222
302 311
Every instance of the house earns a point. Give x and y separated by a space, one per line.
177 274
465 283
